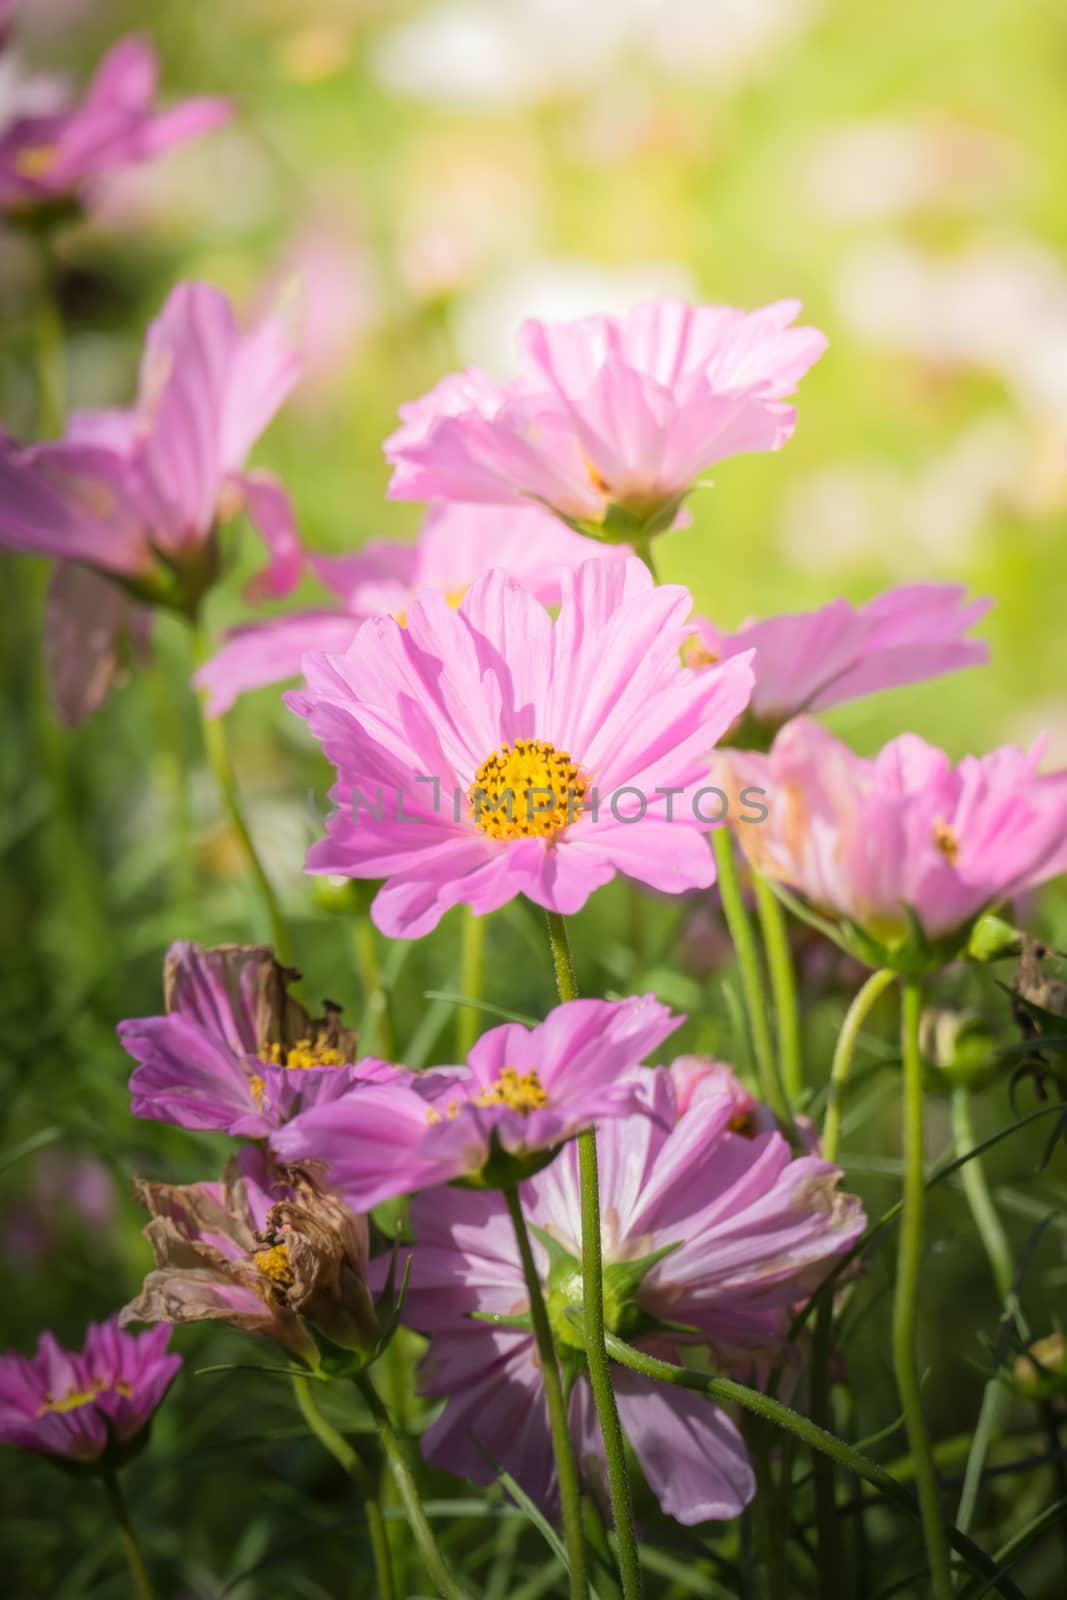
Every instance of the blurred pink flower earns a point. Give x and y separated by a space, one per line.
490 751
907 834
523 1092
136 497
74 1404
65 1188
611 420
811 660
700 1225
235 1051
457 545
58 154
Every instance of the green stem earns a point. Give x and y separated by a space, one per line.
562 1444
824 1485
218 755
857 1014
48 348
375 1024
727 1391
142 1586
783 988
346 1458
593 1306
771 1538
472 951
449 1585
906 1297
998 1249
748 961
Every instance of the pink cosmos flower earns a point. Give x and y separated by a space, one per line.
457 544
702 1226
235 1051
907 833
811 660
524 1091
610 420
75 1403
58 153
488 751
134 498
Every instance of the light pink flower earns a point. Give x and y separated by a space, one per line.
811 660
523 1092
75 1403
138 496
700 1225
872 841
611 420
59 154
235 1051
457 544
587 736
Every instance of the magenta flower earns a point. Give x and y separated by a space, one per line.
488 751
525 1091
134 499
235 1051
611 420
57 153
75 1404
811 660
710 1238
906 843
457 544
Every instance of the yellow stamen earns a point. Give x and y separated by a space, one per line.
36 161
452 596
695 654
257 1087
83 1397
947 842
305 1053
274 1264
519 1091
529 790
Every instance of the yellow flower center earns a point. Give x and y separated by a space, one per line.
526 790
452 596
36 161
695 654
274 1264
83 1397
519 1091
947 842
305 1053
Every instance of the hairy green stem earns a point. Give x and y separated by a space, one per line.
449 1585
593 1307
752 985
218 755
142 1586
906 1296
472 951
771 1539
347 1459
783 988
727 1391
562 1445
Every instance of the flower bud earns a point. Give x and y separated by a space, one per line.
1042 1371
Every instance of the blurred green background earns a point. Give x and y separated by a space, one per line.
411 181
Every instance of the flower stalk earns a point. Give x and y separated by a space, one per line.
218 755
783 988
142 1585
347 1459
593 1306
905 1303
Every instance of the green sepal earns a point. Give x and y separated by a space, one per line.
622 1278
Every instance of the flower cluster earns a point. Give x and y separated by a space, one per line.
601 1249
